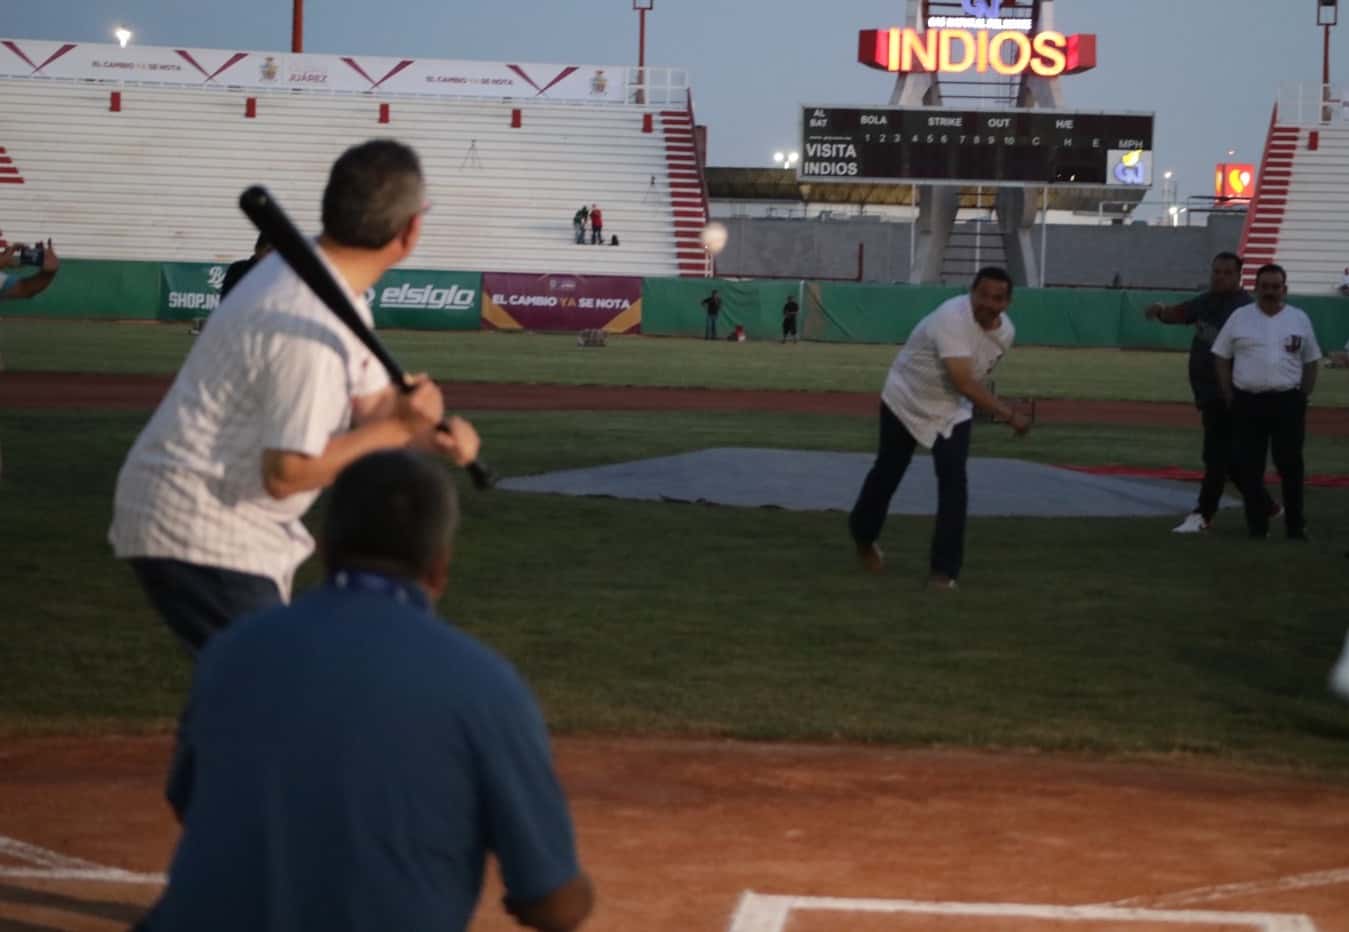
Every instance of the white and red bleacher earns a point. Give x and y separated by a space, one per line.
1299 214
156 175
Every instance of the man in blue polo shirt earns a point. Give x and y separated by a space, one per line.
347 762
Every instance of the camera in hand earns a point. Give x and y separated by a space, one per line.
33 255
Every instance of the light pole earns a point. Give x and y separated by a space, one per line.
642 7
786 160
123 35
1327 17
297 26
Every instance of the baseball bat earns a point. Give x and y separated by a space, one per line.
271 220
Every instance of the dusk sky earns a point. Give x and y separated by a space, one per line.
1209 69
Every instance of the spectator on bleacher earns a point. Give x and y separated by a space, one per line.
14 287
713 305
1207 313
596 226
578 223
1344 284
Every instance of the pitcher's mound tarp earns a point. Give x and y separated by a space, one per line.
812 480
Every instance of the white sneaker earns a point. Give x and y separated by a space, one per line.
1194 523
1339 677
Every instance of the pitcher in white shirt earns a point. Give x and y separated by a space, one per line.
275 398
1266 357
933 386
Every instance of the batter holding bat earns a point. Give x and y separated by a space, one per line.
277 396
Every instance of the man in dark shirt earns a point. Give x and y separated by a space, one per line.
347 762
237 270
1207 313
712 303
790 311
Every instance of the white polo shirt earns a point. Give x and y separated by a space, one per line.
1267 353
274 369
918 389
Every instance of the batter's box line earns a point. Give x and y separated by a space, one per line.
44 864
1232 891
757 912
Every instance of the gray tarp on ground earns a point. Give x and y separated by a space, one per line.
809 480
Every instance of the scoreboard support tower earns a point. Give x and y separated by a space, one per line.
1016 207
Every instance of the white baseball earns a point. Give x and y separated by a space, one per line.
714 237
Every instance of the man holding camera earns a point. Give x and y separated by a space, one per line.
16 256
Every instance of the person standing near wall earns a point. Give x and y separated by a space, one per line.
712 305
790 311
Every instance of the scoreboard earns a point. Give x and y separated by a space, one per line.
995 147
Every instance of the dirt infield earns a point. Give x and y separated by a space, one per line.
675 832
134 392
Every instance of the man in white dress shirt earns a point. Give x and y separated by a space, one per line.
1266 355
933 386
275 399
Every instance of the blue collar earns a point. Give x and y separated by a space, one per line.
400 590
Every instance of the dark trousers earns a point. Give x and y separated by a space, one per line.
894 453
197 601
710 331
1270 422
1220 460
596 234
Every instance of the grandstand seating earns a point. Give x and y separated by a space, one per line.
1299 216
160 178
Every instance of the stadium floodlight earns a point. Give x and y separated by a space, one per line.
779 157
643 4
123 35
1169 175
793 158
1327 12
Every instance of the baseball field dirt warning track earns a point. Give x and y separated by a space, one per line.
133 392
710 836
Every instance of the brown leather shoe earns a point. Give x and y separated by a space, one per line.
873 561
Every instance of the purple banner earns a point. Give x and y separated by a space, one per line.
518 301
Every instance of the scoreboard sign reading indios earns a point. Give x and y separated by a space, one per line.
981 41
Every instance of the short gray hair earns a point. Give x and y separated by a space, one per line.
374 190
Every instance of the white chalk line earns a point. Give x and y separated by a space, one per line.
1231 891
45 864
760 913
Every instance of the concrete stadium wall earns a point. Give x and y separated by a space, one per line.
1078 256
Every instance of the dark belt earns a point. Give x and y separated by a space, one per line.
1271 393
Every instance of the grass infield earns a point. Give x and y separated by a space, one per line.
1104 636
1096 374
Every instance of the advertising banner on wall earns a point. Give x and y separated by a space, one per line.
521 301
189 290
410 298
33 58
426 300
